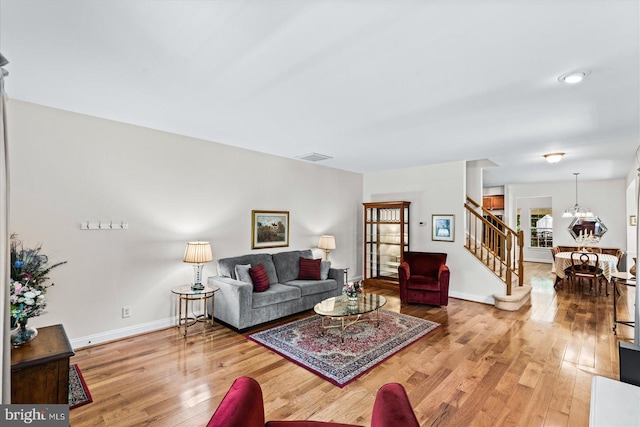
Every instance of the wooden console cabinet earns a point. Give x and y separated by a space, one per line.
40 369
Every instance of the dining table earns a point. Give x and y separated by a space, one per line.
608 264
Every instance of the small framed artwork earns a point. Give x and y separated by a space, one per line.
633 220
269 229
443 228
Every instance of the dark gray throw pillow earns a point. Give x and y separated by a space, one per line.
324 270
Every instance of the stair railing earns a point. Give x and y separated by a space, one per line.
494 243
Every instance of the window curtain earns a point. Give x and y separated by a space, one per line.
5 349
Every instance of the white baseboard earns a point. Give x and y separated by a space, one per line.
117 334
541 260
471 297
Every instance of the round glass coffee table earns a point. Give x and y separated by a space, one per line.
347 313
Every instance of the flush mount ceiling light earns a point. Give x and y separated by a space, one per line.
553 157
576 76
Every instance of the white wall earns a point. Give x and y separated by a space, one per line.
473 183
606 199
67 168
437 189
632 209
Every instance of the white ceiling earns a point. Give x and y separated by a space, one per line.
374 84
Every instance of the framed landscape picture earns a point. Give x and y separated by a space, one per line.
443 228
269 229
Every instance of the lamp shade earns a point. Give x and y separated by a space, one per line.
327 242
198 253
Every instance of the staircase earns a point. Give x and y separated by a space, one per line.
500 249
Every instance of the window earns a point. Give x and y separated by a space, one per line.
541 227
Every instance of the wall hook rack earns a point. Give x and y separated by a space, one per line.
104 225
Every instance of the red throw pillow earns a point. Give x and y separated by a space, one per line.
309 269
260 278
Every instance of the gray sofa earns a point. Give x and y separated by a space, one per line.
237 305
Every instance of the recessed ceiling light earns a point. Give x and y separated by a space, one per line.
553 157
574 76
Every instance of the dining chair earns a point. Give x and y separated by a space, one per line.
586 266
619 253
592 249
558 283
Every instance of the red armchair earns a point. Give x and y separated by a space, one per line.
243 406
424 278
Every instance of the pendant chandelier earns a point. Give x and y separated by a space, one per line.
576 211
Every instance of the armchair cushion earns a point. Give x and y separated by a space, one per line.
425 263
423 283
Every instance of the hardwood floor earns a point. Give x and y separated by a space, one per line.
482 367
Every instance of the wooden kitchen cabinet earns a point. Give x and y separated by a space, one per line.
493 202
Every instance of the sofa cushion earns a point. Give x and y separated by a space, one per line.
227 266
287 264
325 266
312 287
242 273
276 293
309 269
423 283
260 278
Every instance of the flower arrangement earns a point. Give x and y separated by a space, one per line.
352 289
29 269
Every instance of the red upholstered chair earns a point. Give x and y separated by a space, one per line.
424 278
392 408
243 406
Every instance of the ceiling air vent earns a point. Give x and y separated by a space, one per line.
313 157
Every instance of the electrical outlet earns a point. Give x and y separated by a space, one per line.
126 311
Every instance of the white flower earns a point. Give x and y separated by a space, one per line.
30 295
29 301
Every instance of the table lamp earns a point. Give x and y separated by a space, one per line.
197 253
327 243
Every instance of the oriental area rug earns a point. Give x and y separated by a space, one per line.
365 345
78 391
